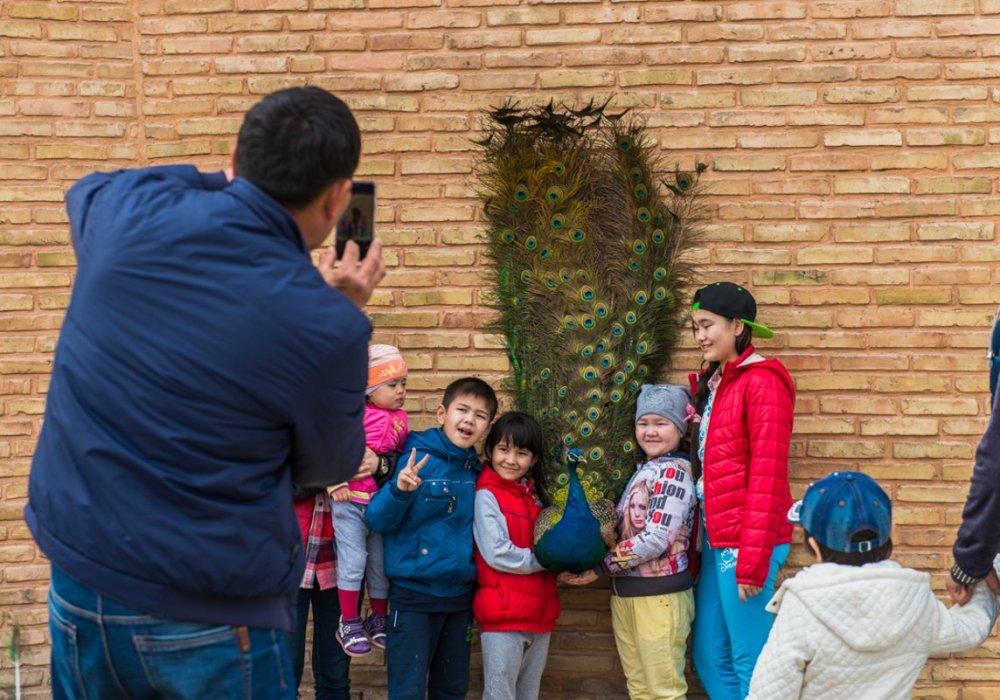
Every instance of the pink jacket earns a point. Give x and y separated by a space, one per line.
385 431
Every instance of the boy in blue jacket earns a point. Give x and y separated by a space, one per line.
425 517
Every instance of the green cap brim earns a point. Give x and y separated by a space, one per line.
757 330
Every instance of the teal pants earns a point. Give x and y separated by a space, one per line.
728 633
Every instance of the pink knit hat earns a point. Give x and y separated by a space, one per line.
385 363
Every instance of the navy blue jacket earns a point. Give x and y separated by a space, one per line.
202 366
427 533
978 540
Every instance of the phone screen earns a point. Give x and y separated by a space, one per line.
358 222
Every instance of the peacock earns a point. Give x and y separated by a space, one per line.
586 239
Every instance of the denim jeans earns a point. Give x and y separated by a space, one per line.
330 665
104 650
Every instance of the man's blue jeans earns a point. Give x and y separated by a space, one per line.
104 650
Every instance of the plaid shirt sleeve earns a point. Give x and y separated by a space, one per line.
321 557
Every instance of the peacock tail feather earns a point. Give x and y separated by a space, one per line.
586 235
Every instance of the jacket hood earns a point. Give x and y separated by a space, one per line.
870 608
435 442
750 361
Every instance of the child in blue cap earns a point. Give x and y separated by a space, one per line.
856 624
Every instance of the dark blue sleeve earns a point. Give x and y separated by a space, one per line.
978 538
84 192
329 432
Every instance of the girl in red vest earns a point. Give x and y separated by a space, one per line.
742 411
517 603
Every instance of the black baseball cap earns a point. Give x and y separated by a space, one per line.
732 301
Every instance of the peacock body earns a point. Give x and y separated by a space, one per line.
586 240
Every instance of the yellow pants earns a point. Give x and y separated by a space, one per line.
651 635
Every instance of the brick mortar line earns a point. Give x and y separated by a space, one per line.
137 77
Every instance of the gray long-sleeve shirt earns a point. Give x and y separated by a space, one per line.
489 529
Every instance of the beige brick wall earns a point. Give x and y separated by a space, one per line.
853 149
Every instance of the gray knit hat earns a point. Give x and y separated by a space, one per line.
667 400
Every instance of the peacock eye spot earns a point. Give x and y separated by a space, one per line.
640 191
545 373
530 242
596 454
631 318
545 253
660 273
513 206
578 235
638 247
658 236
684 180
633 266
554 194
616 396
557 221
635 174
620 378
628 447
558 168
643 370
660 294
624 143
641 297
586 293
601 310
521 193
642 213
562 391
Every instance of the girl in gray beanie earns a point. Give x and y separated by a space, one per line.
652 605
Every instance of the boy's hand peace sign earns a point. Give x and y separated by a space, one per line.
408 479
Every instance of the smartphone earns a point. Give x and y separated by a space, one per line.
358 222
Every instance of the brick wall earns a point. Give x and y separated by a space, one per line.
853 148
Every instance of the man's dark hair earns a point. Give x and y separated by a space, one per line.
853 558
295 143
471 386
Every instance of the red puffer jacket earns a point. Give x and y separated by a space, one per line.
506 601
746 462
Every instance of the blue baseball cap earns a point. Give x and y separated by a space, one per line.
841 505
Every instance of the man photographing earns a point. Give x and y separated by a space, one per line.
204 365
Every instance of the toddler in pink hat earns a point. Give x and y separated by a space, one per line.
359 550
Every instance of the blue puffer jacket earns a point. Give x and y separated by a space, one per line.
202 366
428 532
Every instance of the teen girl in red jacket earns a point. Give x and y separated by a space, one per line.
517 603
742 413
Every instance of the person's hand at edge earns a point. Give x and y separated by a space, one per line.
355 281
587 577
747 591
368 464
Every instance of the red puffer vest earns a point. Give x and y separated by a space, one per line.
514 602
746 463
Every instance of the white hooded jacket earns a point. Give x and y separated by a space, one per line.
861 632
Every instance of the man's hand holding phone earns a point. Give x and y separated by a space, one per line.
356 281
